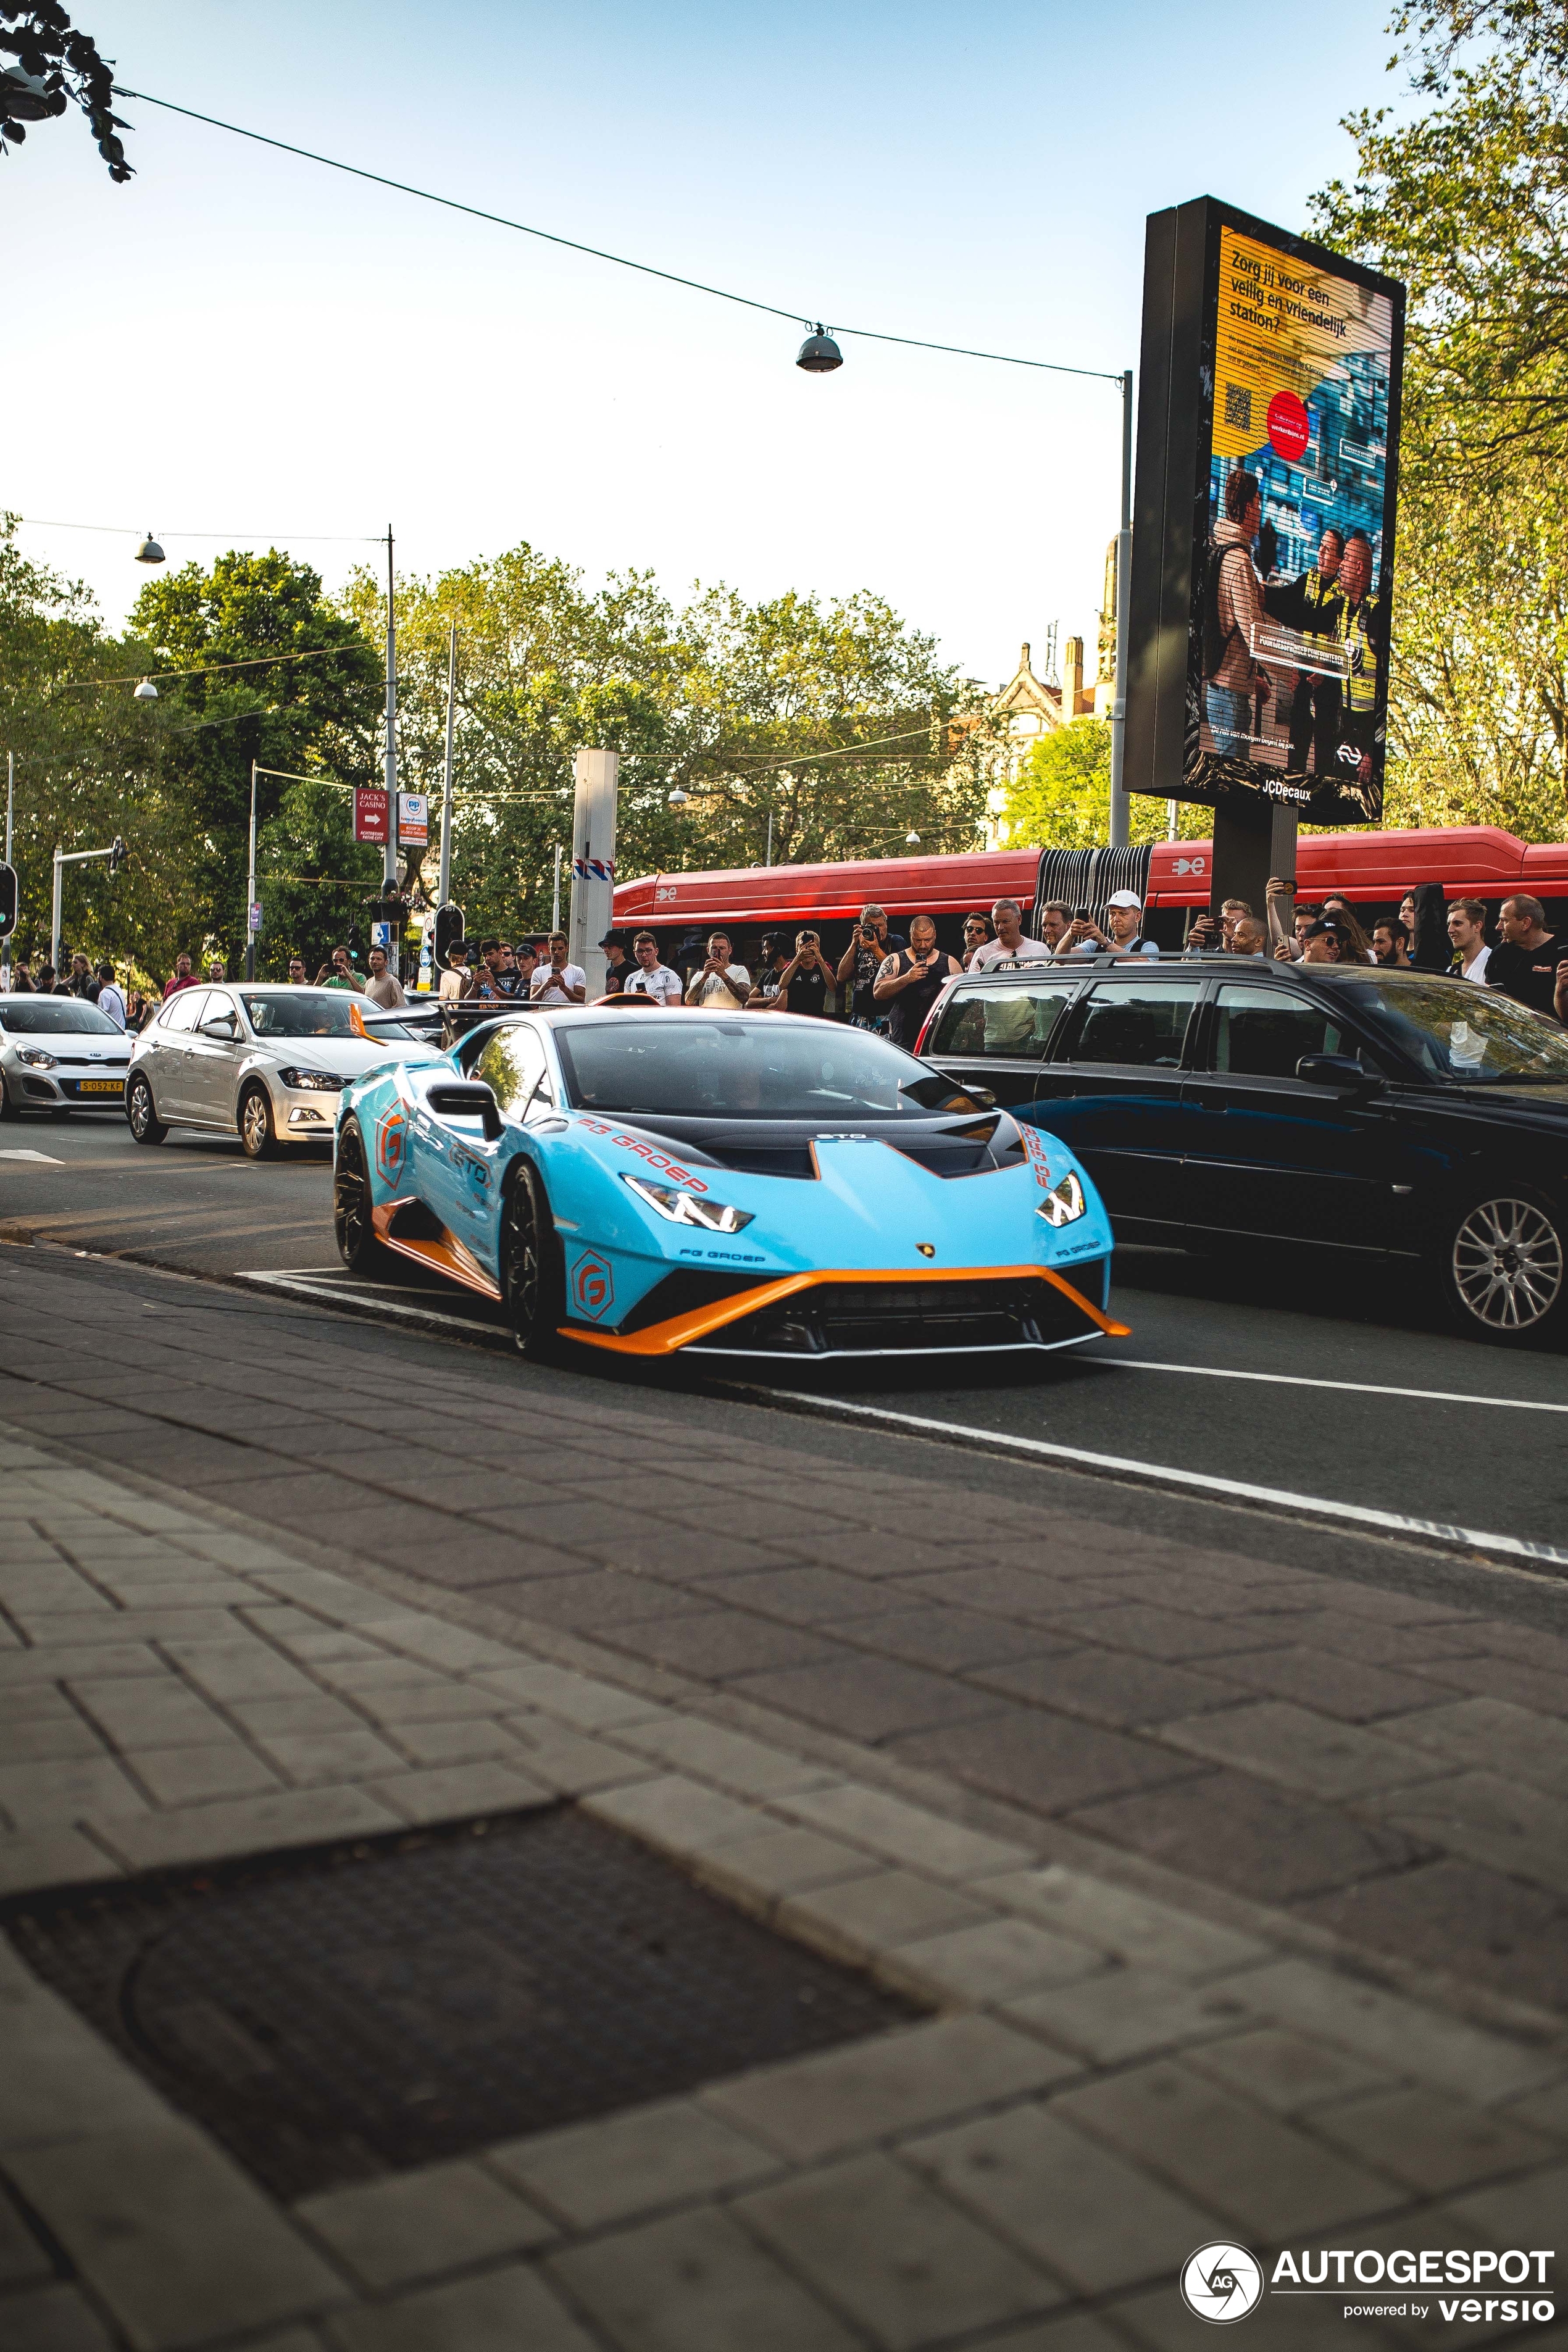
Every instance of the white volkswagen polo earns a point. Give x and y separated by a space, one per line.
57 1053
267 1062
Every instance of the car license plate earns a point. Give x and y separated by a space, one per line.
100 1085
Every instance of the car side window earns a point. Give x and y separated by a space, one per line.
1140 1025
1010 1022
185 1010
511 1065
1262 1033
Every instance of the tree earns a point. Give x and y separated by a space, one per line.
266 670
834 719
1468 204
86 761
55 68
1060 797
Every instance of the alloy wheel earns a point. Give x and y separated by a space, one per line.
351 1199
1508 1264
519 1269
255 1124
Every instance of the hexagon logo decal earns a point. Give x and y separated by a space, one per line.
593 1287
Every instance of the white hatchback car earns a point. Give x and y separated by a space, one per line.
57 1053
267 1062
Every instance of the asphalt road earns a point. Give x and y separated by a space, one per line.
1276 1375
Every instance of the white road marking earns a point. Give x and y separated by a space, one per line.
1278 1499
1355 1388
47 1157
371 1301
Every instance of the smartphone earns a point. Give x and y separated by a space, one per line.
1081 914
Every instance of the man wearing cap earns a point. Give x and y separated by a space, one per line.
1123 933
618 967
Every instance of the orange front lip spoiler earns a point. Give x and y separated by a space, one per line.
665 1338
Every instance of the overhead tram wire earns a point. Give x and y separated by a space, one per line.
597 253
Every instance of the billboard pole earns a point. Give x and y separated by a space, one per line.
1120 818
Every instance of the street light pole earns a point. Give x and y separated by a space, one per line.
1120 815
389 861
10 799
250 886
444 886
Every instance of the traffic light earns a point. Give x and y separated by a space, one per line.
448 934
7 901
117 854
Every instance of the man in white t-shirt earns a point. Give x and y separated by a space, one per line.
558 981
1467 931
1009 944
651 978
719 982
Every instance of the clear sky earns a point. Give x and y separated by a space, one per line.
243 343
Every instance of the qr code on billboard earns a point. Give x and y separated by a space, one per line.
1238 406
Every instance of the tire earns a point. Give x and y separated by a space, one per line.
1503 1267
257 1131
356 1235
141 1112
533 1272
8 1109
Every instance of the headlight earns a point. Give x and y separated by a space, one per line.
35 1060
690 1208
1064 1202
321 1082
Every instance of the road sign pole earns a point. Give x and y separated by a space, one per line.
54 912
444 884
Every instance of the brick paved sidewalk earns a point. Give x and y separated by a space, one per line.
1108 2080
1375 1740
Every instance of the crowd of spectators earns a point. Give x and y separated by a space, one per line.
887 982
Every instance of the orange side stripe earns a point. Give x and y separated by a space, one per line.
680 1330
448 1257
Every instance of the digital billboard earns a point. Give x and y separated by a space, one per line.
1263 524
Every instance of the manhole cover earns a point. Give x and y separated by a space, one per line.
339 2015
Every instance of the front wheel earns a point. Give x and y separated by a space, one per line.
352 1222
1502 1267
141 1113
257 1131
534 1285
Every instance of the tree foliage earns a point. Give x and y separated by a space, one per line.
57 67
1059 796
832 718
1468 204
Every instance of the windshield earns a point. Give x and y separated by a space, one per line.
301 1012
755 1068
50 1015
1456 1030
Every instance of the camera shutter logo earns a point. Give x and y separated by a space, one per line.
1221 2283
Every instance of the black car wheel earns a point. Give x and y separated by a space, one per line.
532 1281
141 1113
257 1131
351 1222
1503 1269
8 1109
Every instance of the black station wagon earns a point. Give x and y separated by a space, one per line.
1216 1098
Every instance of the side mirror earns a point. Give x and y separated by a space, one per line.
470 1099
1341 1070
223 1027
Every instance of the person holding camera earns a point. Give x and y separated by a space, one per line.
911 981
719 982
798 986
1122 935
862 960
